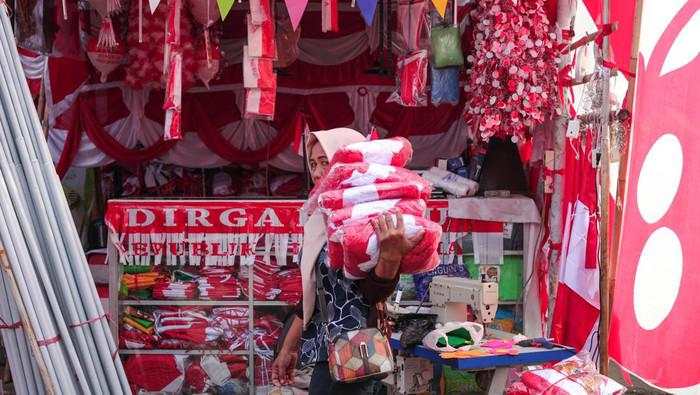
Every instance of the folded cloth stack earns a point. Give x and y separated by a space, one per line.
290 285
237 365
366 179
265 281
133 339
168 289
219 287
156 373
185 328
196 378
233 324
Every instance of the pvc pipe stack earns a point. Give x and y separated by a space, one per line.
65 335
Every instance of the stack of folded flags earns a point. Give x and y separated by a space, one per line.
268 329
232 322
137 330
367 179
219 284
174 290
290 285
185 329
265 282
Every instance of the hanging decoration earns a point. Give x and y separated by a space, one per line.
440 6
105 60
224 7
296 10
145 60
173 88
329 16
367 9
208 61
286 38
513 78
105 8
259 79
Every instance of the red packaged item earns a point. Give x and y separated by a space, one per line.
257 72
413 80
360 251
260 103
396 151
175 290
133 339
341 198
219 287
261 39
414 207
158 373
188 326
196 378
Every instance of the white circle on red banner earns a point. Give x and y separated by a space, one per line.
658 278
659 178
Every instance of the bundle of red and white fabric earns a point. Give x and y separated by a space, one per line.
133 339
175 290
156 373
233 324
265 280
366 180
290 285
259 78
185 328
221 286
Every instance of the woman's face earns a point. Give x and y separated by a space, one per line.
318 162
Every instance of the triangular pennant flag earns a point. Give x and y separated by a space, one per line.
367 8
440 6
296 8
224 7
153 4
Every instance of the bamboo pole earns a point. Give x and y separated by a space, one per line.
624 155
29 332
604 325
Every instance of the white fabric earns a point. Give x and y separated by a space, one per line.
517 209
573 272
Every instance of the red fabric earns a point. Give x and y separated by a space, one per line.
340 198
365 210
408 121
72 145
196 377
112 147
151 372
573 318
623 13
664 104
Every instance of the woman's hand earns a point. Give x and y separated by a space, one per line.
283 368
393 244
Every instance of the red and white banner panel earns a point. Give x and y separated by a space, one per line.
655 308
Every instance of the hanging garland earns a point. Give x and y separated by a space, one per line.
513 78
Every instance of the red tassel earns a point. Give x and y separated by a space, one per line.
106 38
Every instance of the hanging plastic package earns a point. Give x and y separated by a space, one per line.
444 85
446 46
413 76
261 38
412 23
257 72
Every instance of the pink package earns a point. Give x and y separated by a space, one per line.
261 39
340 198
357 250
395 151
364 211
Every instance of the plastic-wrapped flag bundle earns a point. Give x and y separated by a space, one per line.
219 287
452 183
340 198
329 16
365 181
444 85
260 81
395 151
174 290
413 80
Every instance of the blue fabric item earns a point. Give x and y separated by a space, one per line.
444 85
422 280
347 310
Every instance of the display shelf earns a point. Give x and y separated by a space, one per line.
153 302
182 352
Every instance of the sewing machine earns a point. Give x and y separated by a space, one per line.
453 296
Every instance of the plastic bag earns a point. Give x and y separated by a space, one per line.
439 339
257 72
412 74
261 39
444 85
395 151
413 23
337 218
260 103
446 46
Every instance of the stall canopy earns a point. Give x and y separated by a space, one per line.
330 81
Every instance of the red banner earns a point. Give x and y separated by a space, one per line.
217 231
655 301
